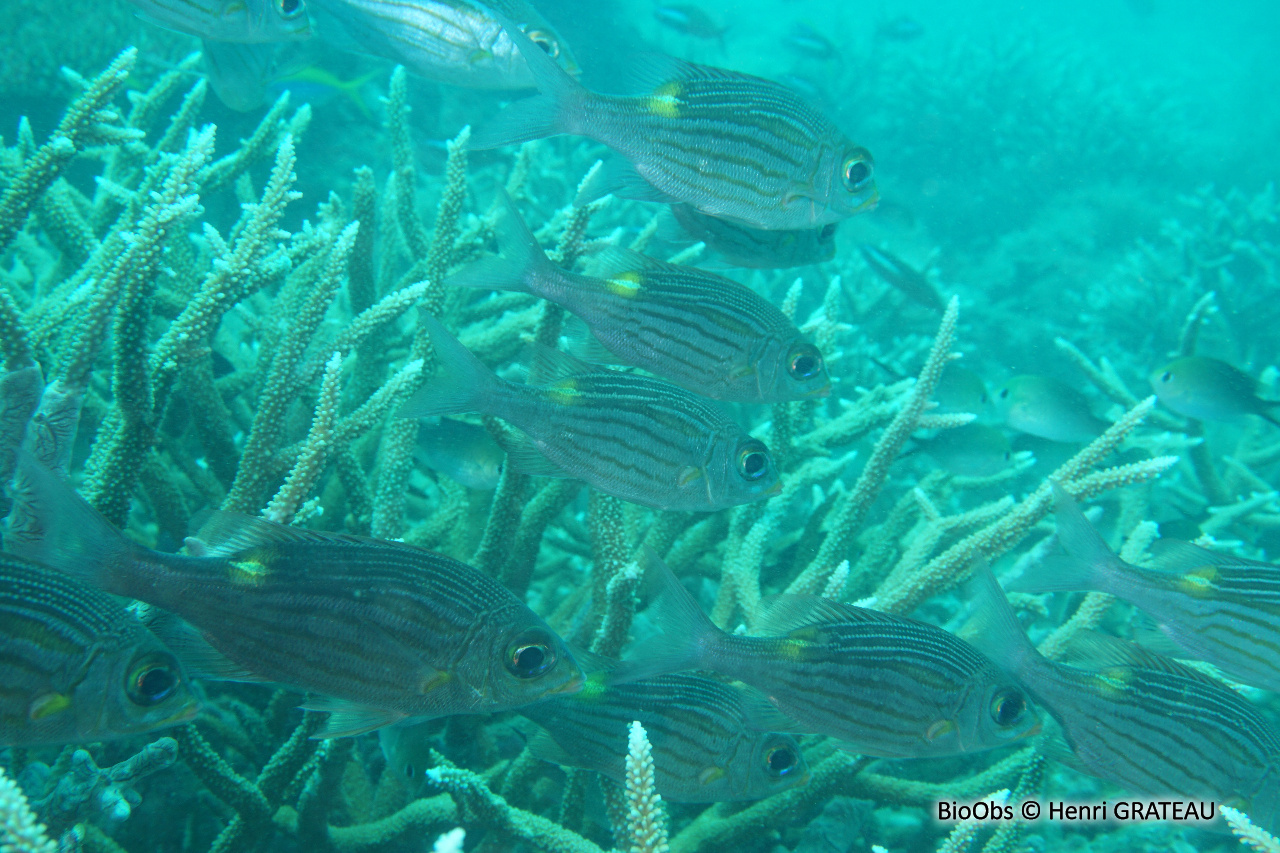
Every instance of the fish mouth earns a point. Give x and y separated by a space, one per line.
870 204
824 391
775 489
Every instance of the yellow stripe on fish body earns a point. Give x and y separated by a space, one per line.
251 571
1201 582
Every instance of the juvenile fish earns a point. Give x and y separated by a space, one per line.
734 146
1144 722
886 685
383 630
753 247
459 42
1210 390
690 20
710 740
1221 609
239 21
914 284
702 331
462 451
1047 408
76 667
629 436
973 450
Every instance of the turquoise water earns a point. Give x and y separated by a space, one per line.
1090 186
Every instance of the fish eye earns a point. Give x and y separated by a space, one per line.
1007 707
857 170
530 654
753 460
804 361
152 680
1167 376
549 45
1004 393
828 232
781 760
290 8
409 771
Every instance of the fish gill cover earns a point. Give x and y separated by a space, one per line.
877 300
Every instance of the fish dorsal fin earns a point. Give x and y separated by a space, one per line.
1174 555
1094 651
548 366
221 534
785 613
614 260
649 72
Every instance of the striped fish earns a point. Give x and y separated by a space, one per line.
1221 609
885 685
701 331
710 740
75 666
732 145
1147 723
754 248
459 42
238 21
632 437
381 630
913 283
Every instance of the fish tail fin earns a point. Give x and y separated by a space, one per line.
1089 563
544 114
462 383
520 260
52 525
993 626
688 638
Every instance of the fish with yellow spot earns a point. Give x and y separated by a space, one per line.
1217 607
381 631
702 331
636 438
1209 389
1147 723
885 685
731 145
712 742
76 666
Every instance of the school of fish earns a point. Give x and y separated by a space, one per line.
382 635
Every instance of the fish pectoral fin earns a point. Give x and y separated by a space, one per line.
690 474
939 729
348 719
433 679
711 775
543 747
743 371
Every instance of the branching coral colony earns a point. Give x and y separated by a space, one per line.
169 366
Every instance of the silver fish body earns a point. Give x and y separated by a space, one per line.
1144 722
885 685
459 42
707 740
1221 609
702 331
383 630
731 145
238 21
76 667
1048 408
755 248
629 436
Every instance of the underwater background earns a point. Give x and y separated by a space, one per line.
1074 200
